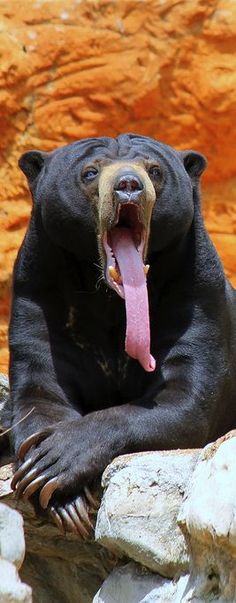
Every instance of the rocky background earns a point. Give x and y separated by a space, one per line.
76 68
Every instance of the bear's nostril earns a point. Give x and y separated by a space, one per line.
129 183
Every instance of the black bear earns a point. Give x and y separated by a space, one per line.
123 326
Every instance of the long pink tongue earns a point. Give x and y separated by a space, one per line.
137 341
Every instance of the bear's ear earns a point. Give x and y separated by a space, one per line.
194 163
31 164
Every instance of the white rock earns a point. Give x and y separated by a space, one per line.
138 514
131 584
208 519
12 542
12 590
210 507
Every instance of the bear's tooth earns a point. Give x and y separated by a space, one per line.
114 274
146 268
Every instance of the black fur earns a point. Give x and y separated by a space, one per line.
67 327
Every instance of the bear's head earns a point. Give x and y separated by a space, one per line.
116 201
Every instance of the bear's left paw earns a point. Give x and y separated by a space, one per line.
56 468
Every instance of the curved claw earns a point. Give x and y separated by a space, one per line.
94 502
33 439
19 474
81 529
33 486
67 521
47 491
23 483
83 513
57 519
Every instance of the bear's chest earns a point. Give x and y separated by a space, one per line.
106 374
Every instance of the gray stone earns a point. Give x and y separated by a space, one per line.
208 520
12 551
5 476
140 505
12 542
12 590
132 584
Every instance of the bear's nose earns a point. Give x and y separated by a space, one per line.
129 183
128 187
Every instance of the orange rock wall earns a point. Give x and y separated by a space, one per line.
75 68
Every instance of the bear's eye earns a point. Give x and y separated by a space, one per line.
154 171
90 174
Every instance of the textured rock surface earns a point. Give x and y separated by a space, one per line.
12 542
132 584
12 551
138 515
12 590
208 518
91 67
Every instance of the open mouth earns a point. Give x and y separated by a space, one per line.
125 247
127 232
